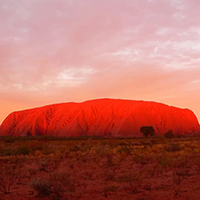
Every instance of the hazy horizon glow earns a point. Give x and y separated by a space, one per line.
74 50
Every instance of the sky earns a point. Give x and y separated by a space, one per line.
54 51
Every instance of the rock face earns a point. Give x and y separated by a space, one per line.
103 117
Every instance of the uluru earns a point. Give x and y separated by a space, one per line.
101 117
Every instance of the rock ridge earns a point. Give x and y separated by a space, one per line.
100 117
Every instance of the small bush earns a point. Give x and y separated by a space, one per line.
41 186
133 180
61 183
169 134
56 185
49 164
23 150
174 147
126 149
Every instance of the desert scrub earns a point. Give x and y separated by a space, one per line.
110 174
132 181
10 172
110 189
41 186
153 169
61 183
178 175
56 185
127 149
23 150
103 150
164 160
140 159
173 147
49 164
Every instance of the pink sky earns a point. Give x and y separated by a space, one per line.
74 50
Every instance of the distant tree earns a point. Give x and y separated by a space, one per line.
147 131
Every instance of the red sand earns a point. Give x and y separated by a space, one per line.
103 117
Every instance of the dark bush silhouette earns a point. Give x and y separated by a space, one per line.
147 131
169 134
29 134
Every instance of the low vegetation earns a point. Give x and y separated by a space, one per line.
83 168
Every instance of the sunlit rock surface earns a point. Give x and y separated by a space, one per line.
102 117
